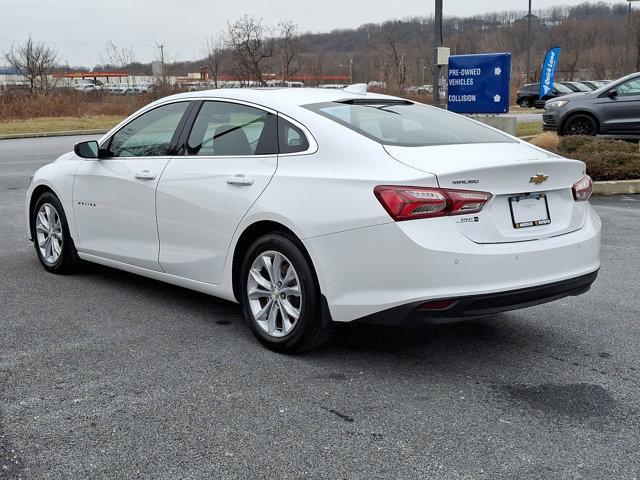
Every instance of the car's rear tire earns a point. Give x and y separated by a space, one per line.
525 103
580 124
51 238
280 296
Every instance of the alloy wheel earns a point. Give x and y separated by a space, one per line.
274 294
581 126
49 233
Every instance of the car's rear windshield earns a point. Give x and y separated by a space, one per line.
408 124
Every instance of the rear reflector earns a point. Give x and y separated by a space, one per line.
408 203
583 189
437 304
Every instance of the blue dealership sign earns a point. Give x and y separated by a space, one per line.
479 83
549 68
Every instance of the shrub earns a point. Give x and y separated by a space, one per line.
605 159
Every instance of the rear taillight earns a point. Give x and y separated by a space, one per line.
583 189
408 203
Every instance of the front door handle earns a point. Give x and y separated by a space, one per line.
240 179
145 175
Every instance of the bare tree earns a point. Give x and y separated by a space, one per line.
252 48
289 49
35 61
390 60
315 65
118 57
216 56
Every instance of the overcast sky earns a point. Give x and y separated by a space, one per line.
80 28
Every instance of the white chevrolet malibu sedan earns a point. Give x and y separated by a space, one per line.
312 206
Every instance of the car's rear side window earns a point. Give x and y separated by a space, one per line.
232 129
401 123
291 138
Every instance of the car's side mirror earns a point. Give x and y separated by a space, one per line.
88 149
613 93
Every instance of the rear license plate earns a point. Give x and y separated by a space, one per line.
529 210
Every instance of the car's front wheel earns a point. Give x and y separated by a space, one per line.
51 236
280 296
525 103
580 124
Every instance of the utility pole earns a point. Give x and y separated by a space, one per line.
164 78
437 37
529 45
351 68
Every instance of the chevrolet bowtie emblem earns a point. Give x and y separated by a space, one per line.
539 178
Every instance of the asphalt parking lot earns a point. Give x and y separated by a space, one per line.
108 375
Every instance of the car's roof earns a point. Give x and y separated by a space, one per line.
280 95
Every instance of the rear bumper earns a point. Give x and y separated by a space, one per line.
470 307
366 271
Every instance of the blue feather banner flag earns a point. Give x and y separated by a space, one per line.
549 68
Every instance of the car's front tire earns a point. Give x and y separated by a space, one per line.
51 238
525 103
280 296
580 124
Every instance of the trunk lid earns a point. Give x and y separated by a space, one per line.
504 170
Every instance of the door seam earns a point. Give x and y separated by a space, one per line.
155 204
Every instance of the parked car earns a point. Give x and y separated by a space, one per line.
143 87
612 109
593 84
576 86
86 87
311 207
332 86
528 96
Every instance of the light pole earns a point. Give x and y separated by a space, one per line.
528 79
627 63
349 68
437 37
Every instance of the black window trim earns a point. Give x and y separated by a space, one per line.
173 145
197 105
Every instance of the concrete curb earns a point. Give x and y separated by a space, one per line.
617 187
70 133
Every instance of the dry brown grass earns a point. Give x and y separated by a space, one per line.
547 140
17 106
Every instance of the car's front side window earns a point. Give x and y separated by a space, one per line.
150 134
630 87
232 129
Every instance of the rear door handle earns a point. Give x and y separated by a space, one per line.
145 175
240 179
